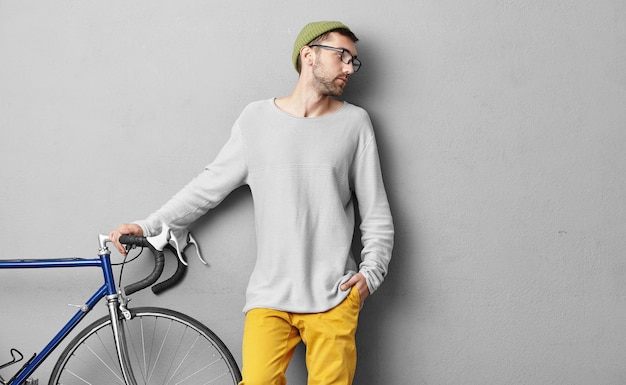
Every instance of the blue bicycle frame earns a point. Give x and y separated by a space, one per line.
106 290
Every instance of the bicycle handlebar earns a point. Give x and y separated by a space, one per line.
181 269
159 263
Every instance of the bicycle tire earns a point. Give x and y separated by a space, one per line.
165 347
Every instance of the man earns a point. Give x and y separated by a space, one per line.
305 157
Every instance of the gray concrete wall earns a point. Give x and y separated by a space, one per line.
501 127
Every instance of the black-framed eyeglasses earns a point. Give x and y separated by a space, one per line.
344 55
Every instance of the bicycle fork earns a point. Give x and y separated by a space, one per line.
119 335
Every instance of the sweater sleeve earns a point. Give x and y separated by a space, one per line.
377 230
227 172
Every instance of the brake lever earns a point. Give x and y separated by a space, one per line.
176 243
192 241
181 245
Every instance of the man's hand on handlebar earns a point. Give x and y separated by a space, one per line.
124 229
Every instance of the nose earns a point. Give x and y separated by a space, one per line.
348 69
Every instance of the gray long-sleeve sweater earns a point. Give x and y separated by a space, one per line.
303 174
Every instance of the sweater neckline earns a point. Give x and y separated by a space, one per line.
343 107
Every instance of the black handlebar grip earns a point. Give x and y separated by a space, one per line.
135 240
172 281
159 263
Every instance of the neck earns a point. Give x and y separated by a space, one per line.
305 102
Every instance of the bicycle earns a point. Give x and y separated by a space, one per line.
145 345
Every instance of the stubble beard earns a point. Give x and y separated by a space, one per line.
326 84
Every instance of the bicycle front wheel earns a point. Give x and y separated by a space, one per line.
164 347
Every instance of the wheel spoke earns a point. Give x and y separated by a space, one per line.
164 347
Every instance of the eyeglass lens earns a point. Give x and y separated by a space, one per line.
347 58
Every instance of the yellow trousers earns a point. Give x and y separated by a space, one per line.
270 338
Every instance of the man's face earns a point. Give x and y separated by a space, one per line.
330 74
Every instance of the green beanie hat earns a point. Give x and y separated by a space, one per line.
310 32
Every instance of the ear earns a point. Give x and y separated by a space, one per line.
306 55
